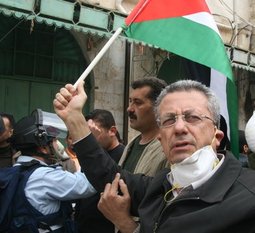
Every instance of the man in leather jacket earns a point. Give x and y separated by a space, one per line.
202 192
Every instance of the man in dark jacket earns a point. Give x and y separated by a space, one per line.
89 219
203 192
8 154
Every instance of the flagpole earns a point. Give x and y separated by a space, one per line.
98 56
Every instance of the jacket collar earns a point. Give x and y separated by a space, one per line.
217 186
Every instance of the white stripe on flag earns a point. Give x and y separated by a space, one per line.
218 84
205 19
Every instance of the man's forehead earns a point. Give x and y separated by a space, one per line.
96 122
140 93
186 95
6 121
184 100
99 124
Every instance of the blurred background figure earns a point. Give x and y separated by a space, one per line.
224 144
69 150
243 149
7 153
102 125
2 128
62 157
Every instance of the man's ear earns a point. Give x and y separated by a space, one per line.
219 135
11 132
42 149
113 130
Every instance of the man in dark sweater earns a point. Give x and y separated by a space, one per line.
103 127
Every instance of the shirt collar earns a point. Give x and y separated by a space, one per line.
25 158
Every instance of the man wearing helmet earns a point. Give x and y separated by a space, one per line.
48 187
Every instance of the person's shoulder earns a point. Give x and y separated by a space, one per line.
247 179
155 147
134 139
155 143
162 173
160 178
49 169
120 147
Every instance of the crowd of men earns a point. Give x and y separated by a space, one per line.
171 177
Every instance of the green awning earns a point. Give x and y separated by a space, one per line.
68 15
90 20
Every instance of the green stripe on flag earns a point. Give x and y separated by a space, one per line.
232 102
186 38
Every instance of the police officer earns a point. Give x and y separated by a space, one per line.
48 187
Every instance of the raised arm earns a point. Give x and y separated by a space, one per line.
68 105
99 168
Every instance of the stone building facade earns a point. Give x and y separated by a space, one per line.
125 61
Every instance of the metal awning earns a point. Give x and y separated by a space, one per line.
92 20
63 14
241 59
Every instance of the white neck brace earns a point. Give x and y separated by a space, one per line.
193 168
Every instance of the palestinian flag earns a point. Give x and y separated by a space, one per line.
187 28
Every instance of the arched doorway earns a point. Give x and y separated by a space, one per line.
36 60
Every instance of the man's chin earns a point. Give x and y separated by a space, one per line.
179 157
132 124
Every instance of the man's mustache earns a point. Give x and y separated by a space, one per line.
131 115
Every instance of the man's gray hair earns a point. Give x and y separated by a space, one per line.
191 85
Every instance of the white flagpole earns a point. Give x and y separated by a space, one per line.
98 56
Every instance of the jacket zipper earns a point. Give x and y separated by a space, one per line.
174 201
155 227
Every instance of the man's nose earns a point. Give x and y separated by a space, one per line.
180 123
130 107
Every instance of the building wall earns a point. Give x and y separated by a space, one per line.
107 76
234 19
252 20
